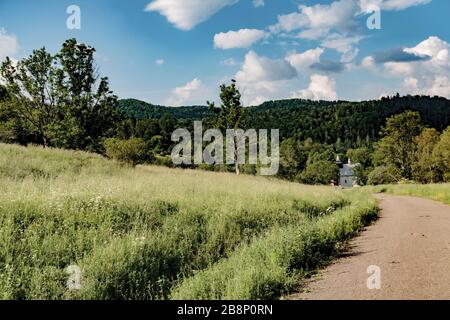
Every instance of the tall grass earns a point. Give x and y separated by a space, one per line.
438 192
272 264
148 232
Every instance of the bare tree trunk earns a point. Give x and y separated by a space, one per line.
238 171
45 142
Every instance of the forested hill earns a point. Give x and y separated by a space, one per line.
321 121
140 110
325 122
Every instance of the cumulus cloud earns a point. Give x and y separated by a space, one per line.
398 55
321 87
318 20
391 4
159 62
261 77
185 15
192 92
427 74
243 38
334 24
9 45
258 69
346 45
302 61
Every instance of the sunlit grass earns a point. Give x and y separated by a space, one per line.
145 232
438 192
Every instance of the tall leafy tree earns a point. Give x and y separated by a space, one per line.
397 146
89 103
424 168
32 93
441 155
230 114
61 97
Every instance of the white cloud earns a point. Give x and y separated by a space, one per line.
243 38
399 68
440 87
257 101
368 62
335 24
258 69
317 20
320 88
435 48
427 76
261 77
192 92
258 3
302 61
186 14
9 45
344 45
391 4
160 62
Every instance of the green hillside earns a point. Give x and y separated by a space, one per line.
321 121
140 110
156 233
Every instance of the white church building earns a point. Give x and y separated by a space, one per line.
347 177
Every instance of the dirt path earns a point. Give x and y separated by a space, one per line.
411 246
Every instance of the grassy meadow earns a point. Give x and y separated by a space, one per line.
158 233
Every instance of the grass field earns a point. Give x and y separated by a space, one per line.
158 233
438 192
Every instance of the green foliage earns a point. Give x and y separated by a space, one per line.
230 114
140 110
58 99
397 146
133 151
320 172
441 156
424 169
384 175
363 156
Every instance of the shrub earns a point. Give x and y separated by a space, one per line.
384 175
133 151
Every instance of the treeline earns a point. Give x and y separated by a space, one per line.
140 110
60 101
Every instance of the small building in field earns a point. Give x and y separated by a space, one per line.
347 177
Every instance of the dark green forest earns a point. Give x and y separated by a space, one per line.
59 100
321 121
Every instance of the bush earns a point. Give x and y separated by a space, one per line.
320 172
384 175
133 151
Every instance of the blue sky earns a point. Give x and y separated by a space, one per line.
177 52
